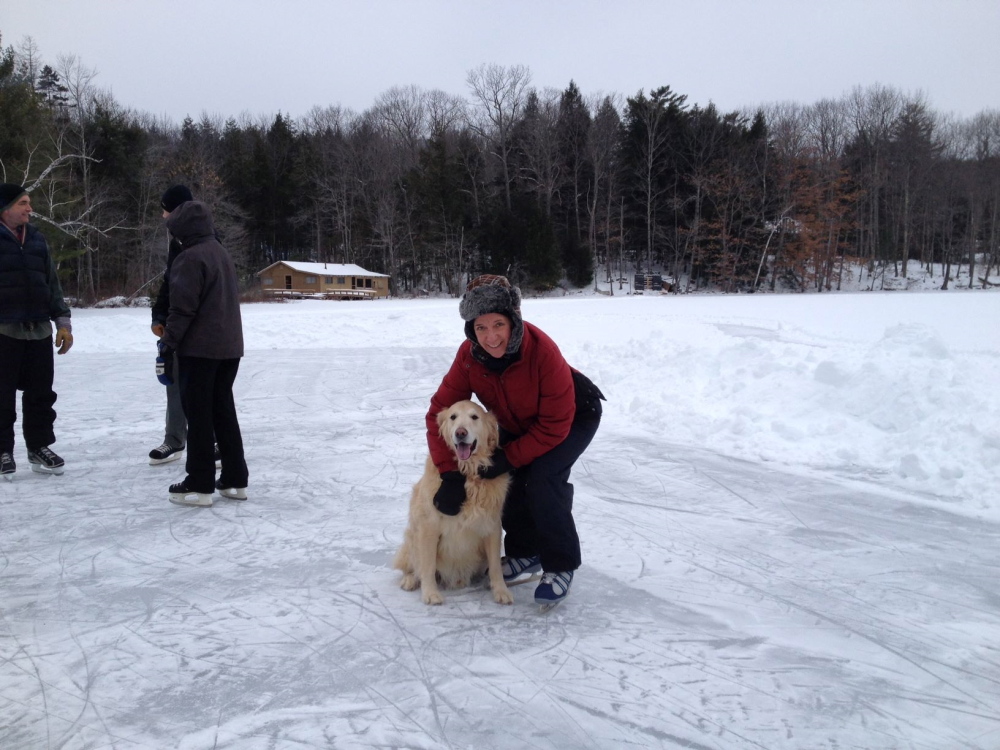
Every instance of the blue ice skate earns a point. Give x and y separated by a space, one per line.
521 569
553 589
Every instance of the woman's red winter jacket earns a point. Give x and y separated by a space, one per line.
533 398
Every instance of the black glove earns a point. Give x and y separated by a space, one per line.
500 465
449 498
165 364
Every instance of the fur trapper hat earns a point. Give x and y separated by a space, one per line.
492 294
489 294
9 193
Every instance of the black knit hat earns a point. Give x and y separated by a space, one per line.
9 193
175 196
492 294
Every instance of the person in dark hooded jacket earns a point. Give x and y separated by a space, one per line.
31 299
204 327
548 414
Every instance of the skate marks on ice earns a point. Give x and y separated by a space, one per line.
721 604
105 590
893 605
278 622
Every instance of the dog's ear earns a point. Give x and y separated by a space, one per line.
492 432
442 418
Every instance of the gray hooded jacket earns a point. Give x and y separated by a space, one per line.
204 318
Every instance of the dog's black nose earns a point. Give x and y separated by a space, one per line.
461 433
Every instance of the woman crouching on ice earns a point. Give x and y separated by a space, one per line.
548 414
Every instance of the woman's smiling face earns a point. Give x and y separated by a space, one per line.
493 333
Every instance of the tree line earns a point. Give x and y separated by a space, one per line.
545 186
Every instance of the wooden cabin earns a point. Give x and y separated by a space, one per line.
288 278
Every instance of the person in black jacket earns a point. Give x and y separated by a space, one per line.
204 327
30 297
175 434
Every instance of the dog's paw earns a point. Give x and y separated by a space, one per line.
433 597
503 596
409 583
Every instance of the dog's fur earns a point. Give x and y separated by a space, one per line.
452 550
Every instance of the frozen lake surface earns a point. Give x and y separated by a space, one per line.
789 522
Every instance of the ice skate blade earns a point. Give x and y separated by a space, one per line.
234 493
39 469
9 477
167 460
191 499
547 606
529 578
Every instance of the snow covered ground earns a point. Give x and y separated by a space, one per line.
789 518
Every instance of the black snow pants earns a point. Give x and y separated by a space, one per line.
538 514
207 397
27 366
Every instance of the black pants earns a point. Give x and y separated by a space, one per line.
538 514
207 397
26 366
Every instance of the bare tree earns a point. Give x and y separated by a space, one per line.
788 128
539 146
402 113
872 113
78 80
988 124
827 127
500 93
335 177
445 112
981 185
602 151
651 126
29 60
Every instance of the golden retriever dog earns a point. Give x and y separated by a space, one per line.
453 550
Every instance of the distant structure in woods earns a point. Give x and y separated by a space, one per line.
288 278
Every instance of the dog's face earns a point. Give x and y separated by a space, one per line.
469 430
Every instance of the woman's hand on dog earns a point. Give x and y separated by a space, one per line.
451 494
500 465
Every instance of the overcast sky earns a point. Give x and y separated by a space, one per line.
227 57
